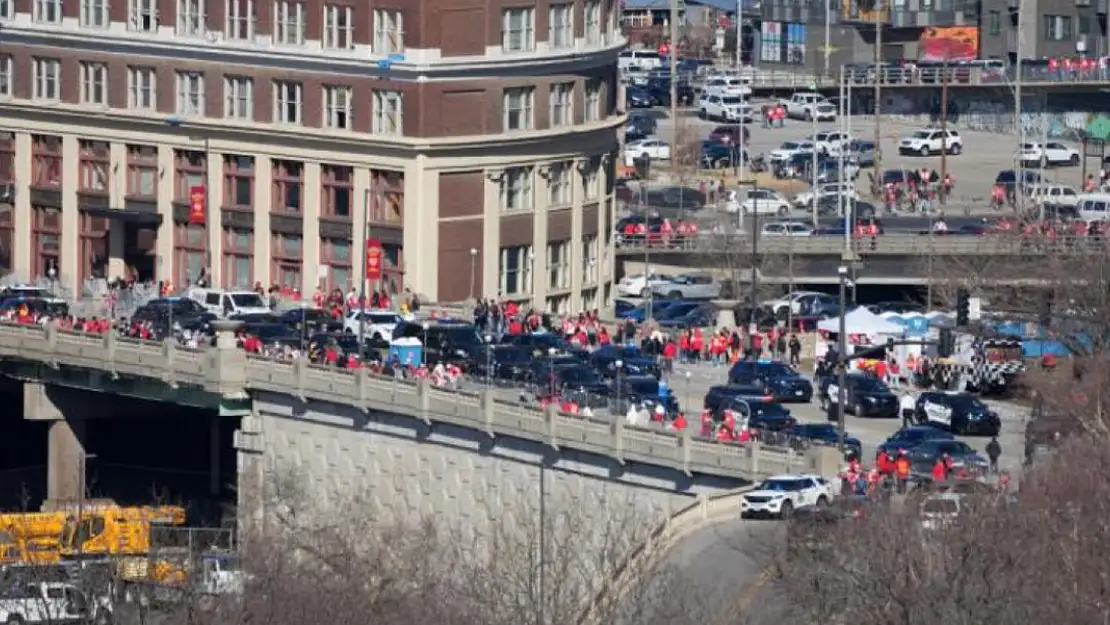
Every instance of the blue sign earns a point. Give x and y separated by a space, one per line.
384 64
917 325
396 58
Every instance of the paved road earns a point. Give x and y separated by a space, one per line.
984 154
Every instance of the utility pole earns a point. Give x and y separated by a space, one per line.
828 9
880 75
673 54
1019 179
943 130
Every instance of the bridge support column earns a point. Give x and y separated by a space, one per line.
214 484
66 455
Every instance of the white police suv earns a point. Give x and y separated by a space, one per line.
781 495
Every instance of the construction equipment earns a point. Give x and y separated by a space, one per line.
182 561
105 531
30 537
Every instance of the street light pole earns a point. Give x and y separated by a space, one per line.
620 406
362 270
473 269
842 348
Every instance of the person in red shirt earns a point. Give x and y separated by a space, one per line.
516 327
883 463
940 471
331 355
352 361
706 423
670 352
697 343
603 337
724 435
680 422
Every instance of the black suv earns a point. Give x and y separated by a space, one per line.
449 342
959 413
865 396
720 396
780 379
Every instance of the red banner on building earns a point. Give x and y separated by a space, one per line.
197 205
374 255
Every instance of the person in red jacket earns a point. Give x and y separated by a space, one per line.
670 352
680 423
883 463
940 471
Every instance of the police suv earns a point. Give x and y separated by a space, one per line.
781 495
959 413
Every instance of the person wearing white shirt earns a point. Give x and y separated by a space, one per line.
908 406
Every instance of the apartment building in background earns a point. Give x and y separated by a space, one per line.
260 140
791 33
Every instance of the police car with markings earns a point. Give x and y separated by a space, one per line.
959 413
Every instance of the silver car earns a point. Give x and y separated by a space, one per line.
689 287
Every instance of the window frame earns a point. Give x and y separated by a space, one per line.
334 178
592 31
282 263
95 162
47 79
389 32
558 265
518 182
148 77
523 258
6 75
189 93
560 186
283 114
290 22
192 16
337 35
525 109
333 110
560 26
386 101
190 169
288 182
139 165
235 173
525 26
233 253
142 16
94 14
47 12
590 259
93 72
387 198
591 100
560 102
238 97
240 20
46 161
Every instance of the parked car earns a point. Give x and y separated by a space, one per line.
652 148
833 189
730 134
688 287
932 141
762 201
639 285
1048 154
786 229
717 155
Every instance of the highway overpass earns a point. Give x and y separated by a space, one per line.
414 448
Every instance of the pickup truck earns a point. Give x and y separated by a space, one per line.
52 603
801 105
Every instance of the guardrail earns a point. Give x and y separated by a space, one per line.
957 75
229 371
664 536
885 244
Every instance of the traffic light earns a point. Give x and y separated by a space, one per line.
963 308
1045 317
947 343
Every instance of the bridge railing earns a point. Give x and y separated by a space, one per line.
889 244
230 372
957 74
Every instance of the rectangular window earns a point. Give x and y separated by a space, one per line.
94 13
142 16
560 26
238 98
558 265
335 256
47 239
561 102
518 30
288 102
339 31
389 32
515 270
994 23
288 194
48 11
1085 25
190 94
516 189
387 197
94 83
46 161
142 88
5 76
240 20
7 9
191 18
289 22
142 171
591 177
96 159
286 250
388 109
518 103
239 181
589 261
337 188
558 185
190 170
238 254
592 13
593 100
1058 28
337 107
48 75
190 245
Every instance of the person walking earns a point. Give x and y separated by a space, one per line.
795 347
994 450
908 406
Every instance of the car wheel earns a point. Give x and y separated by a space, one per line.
675 295
783 210
703 114
1074 160
857 409
924 150
822 501
787 510
645 293
956 149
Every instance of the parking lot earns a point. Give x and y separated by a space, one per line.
984 154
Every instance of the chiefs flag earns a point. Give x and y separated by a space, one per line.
197 205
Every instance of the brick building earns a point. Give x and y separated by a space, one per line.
474 140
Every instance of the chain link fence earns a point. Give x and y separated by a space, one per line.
96 297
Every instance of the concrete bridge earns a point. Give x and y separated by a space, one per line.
890 259
414 448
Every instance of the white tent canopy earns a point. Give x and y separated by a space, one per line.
861 321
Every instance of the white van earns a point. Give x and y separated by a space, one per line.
1093 206
728 86
229 304
639 59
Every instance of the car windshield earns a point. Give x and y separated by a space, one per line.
769 410
511 354
921 134
731 100
940 506
791 145
871 385
615 351
775 370
644 386
248 300
956 448
816 430
968 402
783 486
463 335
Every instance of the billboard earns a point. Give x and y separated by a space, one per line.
949 43
782 42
